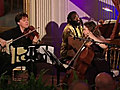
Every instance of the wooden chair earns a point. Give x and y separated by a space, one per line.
113 57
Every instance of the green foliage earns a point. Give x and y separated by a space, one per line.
31 84
75 75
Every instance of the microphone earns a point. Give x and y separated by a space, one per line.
81 22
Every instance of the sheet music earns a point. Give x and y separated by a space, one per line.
30 51
49 48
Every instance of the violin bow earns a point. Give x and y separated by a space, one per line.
21 36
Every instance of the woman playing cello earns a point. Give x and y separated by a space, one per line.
91 60
98 63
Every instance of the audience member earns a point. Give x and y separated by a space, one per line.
79 85
104 81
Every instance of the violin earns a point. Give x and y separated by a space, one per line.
31 33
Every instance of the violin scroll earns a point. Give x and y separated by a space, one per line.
32 32
31 28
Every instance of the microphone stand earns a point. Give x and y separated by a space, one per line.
108 44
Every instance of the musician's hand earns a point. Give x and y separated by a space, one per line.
90 35
2 42
88 44
98 39
35 40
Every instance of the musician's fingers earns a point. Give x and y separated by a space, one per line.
2 42
89 43
35 40
91 35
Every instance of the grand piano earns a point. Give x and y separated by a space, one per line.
106 30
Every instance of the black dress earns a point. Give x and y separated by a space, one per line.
98 65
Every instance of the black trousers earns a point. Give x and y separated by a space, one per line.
5 63
97 66
6 66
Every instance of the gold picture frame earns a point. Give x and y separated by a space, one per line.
11 8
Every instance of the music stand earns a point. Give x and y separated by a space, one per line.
51 58
24 56
55 60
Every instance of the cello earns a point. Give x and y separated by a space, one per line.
81 60
85 54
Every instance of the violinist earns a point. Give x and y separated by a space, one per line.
72 29
22 22
98 64
21 29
